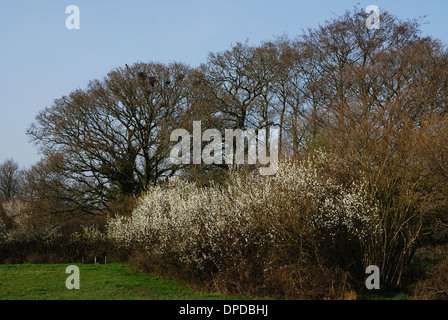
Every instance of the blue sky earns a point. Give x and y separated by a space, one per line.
41 60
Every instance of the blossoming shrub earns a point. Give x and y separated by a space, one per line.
23 227
19 233
26 236
187 223
294 233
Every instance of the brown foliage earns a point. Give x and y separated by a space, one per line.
433 285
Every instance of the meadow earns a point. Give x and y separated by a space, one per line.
97 282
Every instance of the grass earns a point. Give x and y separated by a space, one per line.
97 282
398 297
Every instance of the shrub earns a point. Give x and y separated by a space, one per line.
25 226
256 234
433 285
27 236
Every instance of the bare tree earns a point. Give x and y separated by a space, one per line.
10 179
236 83
378 89
113 137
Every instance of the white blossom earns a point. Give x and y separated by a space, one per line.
199 225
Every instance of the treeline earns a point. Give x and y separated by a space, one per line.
340 86
376 100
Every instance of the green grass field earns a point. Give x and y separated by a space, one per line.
97 282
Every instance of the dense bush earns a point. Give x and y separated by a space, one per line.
27 237
433 284
299 225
